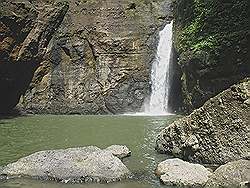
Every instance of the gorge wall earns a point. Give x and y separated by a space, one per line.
212 48
99 60
25 32
94 57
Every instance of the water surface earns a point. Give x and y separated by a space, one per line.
25 135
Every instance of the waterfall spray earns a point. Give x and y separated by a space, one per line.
160 78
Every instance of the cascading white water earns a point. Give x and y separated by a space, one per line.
160 78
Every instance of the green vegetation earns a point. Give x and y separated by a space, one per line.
212 43
211 25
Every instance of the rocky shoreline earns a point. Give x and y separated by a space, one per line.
94 165
179 173
218 133
95 57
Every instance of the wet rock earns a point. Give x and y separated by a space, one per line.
216 133
232 174
73 165
119 151
176 172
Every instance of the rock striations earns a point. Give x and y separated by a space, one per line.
25 31
98 61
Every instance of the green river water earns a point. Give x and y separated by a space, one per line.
25 135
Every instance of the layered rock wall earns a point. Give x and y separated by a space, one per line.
25 32
99 60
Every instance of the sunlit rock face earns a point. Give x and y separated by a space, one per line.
99 60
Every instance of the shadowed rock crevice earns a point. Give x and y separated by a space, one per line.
25 33
212 43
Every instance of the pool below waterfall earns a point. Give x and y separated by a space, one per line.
22 136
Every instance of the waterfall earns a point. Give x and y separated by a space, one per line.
160 78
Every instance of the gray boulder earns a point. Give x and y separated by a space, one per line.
232 174
73 165
119 151
180 173
216 133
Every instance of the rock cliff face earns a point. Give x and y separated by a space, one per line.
25 31
212 43
99 60
216 133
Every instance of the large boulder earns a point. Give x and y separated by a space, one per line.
73 165
180 173
232 174
216 133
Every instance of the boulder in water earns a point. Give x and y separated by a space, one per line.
232 174
180 173
73 165
216 133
